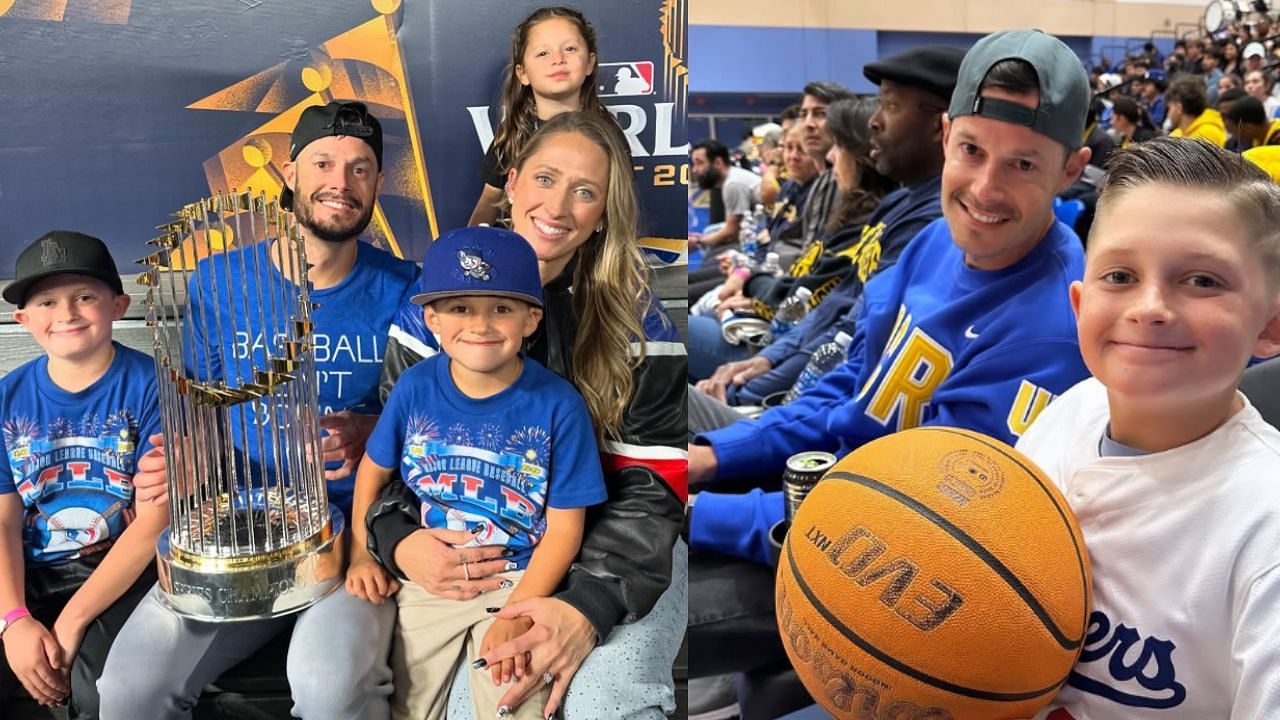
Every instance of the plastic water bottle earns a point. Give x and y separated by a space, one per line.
790 312
823 360
747 236
772 265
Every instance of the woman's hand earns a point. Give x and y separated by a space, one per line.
428 557
558 643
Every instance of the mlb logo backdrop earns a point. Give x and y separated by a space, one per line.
119 112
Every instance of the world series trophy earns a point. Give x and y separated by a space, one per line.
251 533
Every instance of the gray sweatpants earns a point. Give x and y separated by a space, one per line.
337 663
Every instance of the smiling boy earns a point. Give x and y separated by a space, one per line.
76 551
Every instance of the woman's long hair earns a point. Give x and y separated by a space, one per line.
848 122
519 111
610 292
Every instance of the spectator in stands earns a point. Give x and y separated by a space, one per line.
1225 83
1231 58
817 142
825 262
739 188
1255 54
943 338
906 141
1258 84
1151 96
1192 64
1249 125
1131 121
1190 115
1212 72
783 233
1096 139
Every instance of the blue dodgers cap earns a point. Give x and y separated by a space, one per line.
480 261
1064 85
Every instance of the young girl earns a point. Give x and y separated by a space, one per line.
552 70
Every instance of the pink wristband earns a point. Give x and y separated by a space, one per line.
12 617
742 272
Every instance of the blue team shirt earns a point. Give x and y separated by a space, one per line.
350 331
937 343
71 456
490 465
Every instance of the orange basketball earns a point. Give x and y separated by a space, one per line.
933 574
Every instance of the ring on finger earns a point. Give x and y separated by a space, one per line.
548 678
466 571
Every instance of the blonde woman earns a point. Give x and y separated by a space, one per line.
571 195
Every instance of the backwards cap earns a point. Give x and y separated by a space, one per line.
336 118
1064 86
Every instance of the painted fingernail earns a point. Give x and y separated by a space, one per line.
492 610
511 566
504 711
508 553
479 664
477 529
505 584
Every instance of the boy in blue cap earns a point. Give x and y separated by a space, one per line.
492 443
76 550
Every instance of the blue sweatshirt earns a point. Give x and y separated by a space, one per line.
900 216
937 343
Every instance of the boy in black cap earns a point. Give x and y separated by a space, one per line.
337 663
76 550
497 449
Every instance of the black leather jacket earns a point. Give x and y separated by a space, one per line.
624 564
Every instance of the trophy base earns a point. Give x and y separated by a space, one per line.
251 587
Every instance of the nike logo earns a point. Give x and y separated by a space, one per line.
969 333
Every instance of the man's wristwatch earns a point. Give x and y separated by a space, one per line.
12 617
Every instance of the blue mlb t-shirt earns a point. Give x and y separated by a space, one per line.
492 465
247 323
71 456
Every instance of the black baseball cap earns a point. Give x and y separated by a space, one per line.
336 118
1064 85
62 252
932 68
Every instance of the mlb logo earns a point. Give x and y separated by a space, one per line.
625 78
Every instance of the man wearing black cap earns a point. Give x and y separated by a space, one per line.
338 653
972 328
906 142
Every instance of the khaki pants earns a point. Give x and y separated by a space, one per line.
429 642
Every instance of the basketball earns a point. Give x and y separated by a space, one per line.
933 574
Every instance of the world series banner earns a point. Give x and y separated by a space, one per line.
119 112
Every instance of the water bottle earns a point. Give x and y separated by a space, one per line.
790 312
747 236
772 265
823 360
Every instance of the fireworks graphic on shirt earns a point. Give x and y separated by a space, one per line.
61 428
459 434
489 437
90 425
421 430
18 436
532 444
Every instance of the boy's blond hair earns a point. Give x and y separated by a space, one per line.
1191 163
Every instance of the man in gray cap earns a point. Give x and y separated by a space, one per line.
972 328
337 664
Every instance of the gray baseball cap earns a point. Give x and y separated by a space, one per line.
1064 85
